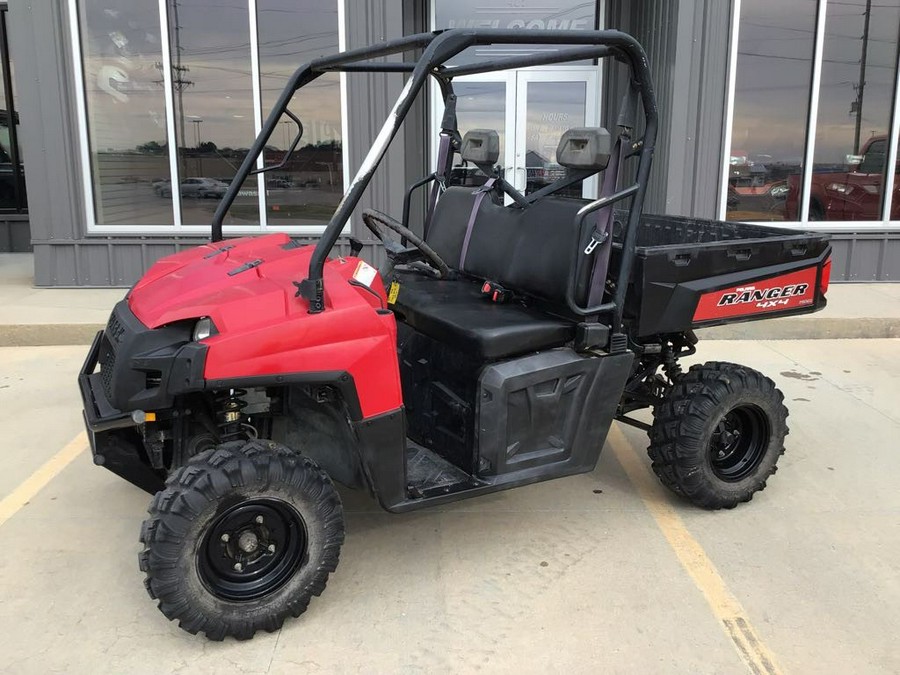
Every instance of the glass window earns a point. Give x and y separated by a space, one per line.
307 190
771 108
213 88
855 107
126 111
12 181
527 14
479 105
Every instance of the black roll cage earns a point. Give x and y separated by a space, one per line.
439 47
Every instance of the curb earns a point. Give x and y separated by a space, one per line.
792 328
806 328
48 334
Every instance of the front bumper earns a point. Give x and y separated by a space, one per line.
141 369
116 437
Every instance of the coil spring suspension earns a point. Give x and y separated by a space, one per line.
670 364
230 414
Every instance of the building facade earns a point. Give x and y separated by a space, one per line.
123 122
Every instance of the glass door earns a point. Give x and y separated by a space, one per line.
549 103
530 110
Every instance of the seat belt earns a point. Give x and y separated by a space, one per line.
479 196
600 244
449 133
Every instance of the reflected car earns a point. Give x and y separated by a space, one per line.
200 188
851 194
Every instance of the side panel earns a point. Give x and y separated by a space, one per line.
547 414
679 294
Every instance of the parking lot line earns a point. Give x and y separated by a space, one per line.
28 488
693 558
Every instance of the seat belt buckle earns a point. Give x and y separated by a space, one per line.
597 238
495 292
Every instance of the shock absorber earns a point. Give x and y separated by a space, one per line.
670 363
230 406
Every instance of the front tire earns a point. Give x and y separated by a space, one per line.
717 437
240 539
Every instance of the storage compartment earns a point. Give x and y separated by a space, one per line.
552 408
683 262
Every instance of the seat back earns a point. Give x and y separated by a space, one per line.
528 250
525 250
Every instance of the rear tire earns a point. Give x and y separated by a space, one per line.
717 437
240 539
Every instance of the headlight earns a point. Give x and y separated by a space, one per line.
203 329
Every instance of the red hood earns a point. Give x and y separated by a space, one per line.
201 282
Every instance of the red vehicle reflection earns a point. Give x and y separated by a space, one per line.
848 195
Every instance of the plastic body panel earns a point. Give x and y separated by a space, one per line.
247 287
680 260
538 410
579 417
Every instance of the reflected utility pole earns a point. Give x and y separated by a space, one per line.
861 87
197 124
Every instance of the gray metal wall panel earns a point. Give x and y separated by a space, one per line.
14 234
370 99
94 265
39 42
865 256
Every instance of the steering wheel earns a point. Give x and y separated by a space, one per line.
398 254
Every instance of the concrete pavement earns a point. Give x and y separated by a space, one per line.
60 316
578 575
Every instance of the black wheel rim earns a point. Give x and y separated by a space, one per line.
252 549
739 443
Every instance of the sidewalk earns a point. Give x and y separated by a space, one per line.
60 316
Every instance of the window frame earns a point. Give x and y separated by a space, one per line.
178 228
885 224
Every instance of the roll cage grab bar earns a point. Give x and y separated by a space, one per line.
439 47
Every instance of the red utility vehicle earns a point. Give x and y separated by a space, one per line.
238 381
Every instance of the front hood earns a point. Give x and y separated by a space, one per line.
238 283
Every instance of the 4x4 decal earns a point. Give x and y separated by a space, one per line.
787 291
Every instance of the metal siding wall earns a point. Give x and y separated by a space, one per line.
39 42
865 256
14 235
687 41
371 97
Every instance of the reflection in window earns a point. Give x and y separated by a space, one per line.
213 107
855 105
12 173
479 105
521 14
306 191
126 111
552 109
771 107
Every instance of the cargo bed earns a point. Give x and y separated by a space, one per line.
692 272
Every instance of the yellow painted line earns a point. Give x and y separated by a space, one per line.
36 482
693 558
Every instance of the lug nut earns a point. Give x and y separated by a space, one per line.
225 537
238 567
259 520
271 548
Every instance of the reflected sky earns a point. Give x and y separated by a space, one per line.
775 71
773 79
210 41
841 75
